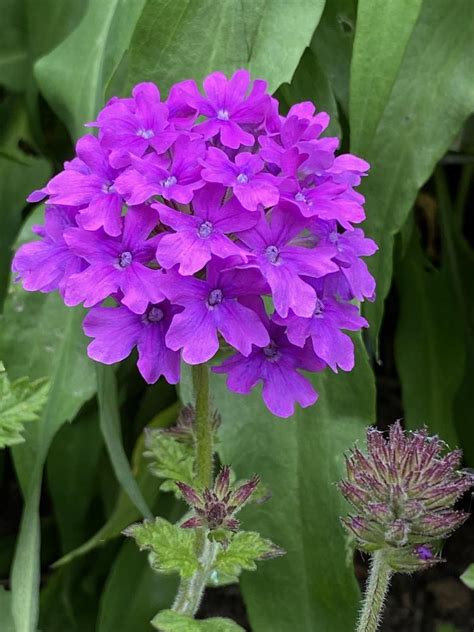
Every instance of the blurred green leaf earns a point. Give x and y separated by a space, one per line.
71 467
75 89
170 621
310 83
6 619
16 182
468 576
20 401
382 34
171 548
125 512
182 39
332 44
109 417
300 460
13 50
431 98
429 339
133 593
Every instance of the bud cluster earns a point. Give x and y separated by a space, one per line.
215 508
403 492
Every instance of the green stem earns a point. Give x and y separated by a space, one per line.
374 599
203 445
191 590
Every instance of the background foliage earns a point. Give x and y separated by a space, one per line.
394 75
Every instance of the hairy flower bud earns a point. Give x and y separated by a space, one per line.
402 492
215 508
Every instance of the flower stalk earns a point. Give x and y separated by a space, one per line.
191 590
374 599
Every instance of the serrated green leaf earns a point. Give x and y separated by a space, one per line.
20 402
468 576
171 459
245 548
268 39
170 621
172 548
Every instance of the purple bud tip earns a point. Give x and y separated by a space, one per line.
424 552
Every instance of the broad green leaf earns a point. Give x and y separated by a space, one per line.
20 401
109 417
242 553
133 593
430 99
468 576
429 339
300 460
6 620
172 548
71 467
13 49
310 83
332 44
73 76
40 338
183 39
383 30
125 512
170 621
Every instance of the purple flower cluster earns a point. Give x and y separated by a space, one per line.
209 217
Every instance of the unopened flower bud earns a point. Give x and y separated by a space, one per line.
402 492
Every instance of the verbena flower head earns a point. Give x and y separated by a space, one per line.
403 492
175 222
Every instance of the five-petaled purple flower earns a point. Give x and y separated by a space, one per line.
208 218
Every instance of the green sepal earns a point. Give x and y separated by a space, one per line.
171 548
20 401
243 551
170 621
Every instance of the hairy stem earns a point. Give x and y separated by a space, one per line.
203 446
375 592
191 590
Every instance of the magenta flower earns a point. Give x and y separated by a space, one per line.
324 329
192 213
205 233
227 108
176 180
117 330
116 264
133 126
88 183
277 366
283 262
250 185
46 265
212 307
